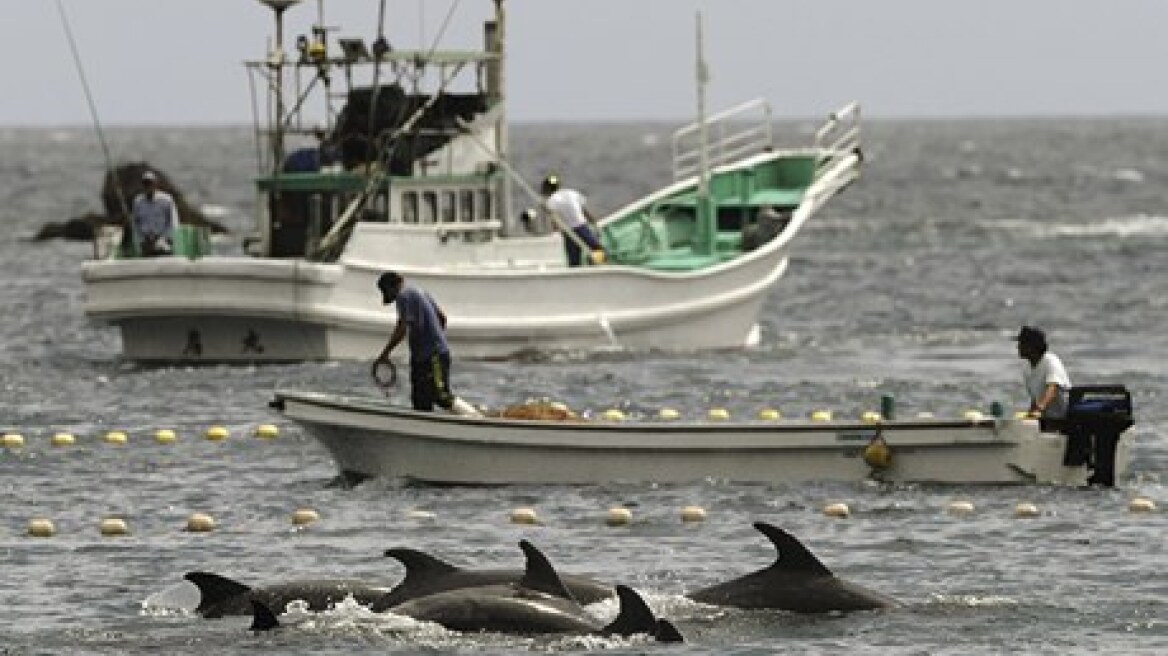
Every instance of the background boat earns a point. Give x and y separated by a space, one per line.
417 178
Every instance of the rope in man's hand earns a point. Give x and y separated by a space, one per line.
385 380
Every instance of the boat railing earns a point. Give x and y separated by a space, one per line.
838 137
731 134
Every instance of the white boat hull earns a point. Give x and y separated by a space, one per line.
369 437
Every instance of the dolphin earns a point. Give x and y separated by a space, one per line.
220 596
795 582
539 603
427 575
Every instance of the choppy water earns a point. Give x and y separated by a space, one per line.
910 284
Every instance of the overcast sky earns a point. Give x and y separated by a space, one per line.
179 61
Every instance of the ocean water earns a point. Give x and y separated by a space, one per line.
911 283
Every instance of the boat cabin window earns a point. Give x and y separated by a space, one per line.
429 208
486 211
448 209
466 207
409 207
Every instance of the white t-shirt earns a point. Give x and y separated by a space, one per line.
155 217
568 204
1048 370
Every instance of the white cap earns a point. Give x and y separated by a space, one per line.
149 175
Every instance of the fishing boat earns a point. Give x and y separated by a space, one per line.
370 437
413 174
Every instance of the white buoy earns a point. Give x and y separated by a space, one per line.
974 415
838 509
12 440
63 439
200 523
421 515
821 415
619 516
165 436
267 431
613 414
1026 510
41 527
769 414
718 414
217 433
693 514
1141 505
668 414
305 516
959 508
524 516
116 437
113 527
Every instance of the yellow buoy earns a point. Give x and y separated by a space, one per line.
837 509
974 415
113 526
1026 510
668 414
821 415
769 414
63 439
524 516
693 514
421 515
217 433
12 440
959 508
871 417
613 414
619 516
165 436
718 414
1141 504
41 527
267 431
878 455
116 437
200 523
305 516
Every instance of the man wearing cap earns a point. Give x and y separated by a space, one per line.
419 317
569 208
155 218
1045 377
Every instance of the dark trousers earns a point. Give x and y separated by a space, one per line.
430 382
586 235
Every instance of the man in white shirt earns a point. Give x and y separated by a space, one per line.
155 218
1045 377
569 208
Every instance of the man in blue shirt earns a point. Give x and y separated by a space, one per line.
419 317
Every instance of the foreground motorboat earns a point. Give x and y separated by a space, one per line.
370 437
418 180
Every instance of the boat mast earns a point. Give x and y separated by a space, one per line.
276 61
705 211
497 88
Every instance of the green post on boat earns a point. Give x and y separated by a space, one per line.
888 407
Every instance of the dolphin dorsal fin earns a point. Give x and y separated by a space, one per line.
539 575
214 589
634 617
793 556
420 564
262 617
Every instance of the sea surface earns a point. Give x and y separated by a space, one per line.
910 284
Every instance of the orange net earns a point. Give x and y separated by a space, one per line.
542 410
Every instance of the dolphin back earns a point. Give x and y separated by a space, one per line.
218 594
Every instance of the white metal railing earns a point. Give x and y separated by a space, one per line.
839 136
731 134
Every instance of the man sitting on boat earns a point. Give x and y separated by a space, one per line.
569 210
1046 378
155 218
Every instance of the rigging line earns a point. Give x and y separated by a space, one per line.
93 112
377 54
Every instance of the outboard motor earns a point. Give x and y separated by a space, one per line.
1096 416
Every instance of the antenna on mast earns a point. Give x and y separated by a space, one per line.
276 61
706 213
